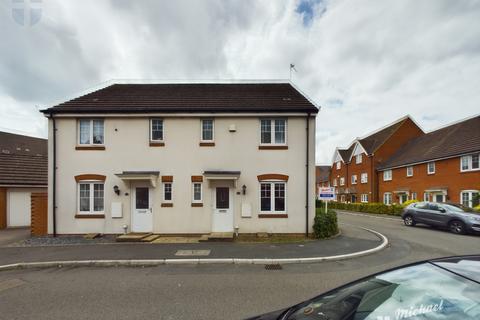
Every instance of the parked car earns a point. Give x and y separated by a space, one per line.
457 218
446 288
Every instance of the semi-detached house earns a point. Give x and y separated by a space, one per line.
183 159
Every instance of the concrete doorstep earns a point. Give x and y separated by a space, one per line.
194 261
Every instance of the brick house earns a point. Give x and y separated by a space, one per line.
439 166
322 177
354 169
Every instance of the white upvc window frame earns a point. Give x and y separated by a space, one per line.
428 167
354 179
91 135
164 189
342 181
470 197
364 198
339 165
469 162
364 177
410 171
426 196
151 130
193 192
387 175
413 196
202 139
272 132
91 184
272 184
387 196
335 183
358 158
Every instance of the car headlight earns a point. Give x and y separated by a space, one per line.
474 218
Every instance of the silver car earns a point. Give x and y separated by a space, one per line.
455 217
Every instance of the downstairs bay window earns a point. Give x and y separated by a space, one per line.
273 197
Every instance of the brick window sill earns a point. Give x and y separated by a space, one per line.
90 148
167 205
273 215
272 147
207 144
197 205
89 216
157 144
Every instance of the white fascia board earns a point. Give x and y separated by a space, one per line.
178 115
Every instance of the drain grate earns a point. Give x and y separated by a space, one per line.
273 267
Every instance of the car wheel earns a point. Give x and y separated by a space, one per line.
408 220
457 227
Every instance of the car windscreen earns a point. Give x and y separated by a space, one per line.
418 292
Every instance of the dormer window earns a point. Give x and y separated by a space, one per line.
339 165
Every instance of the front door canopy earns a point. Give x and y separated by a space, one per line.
151 176
222 175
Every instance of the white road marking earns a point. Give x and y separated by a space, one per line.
368 215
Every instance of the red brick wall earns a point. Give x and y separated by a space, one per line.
447 174
337 174
358 169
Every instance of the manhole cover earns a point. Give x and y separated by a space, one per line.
273 267
184 253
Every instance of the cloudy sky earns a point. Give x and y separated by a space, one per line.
365 62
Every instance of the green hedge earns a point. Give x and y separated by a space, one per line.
378 208
325 224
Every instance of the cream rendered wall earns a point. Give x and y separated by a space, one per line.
127 148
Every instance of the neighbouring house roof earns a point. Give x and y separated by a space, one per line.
191 98
375 140
322 173
345 153
23 160
454 140
11 143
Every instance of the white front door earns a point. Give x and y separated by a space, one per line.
142 216
222 220
438 197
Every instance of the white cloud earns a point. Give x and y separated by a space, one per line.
365 62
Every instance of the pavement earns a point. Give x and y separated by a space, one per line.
351 240
212 291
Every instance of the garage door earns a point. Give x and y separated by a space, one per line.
18 204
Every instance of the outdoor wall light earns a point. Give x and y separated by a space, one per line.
116 190
244 189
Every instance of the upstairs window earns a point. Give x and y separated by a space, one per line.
90 132
431 168
342 181
156 126
470 163
207 130
354 179
387 175
339 165
409 171
358 158
273 131
335 182
364 177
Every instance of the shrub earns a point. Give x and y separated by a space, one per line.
408 202
325 224
378 208
477 208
